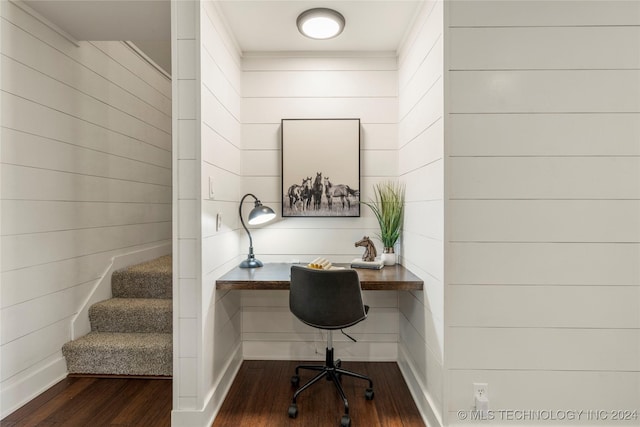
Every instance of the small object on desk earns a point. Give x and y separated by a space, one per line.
320 264
374 265
370 252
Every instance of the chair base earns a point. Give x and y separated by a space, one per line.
332 371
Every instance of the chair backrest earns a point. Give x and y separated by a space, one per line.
326 299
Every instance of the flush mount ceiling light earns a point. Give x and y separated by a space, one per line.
320 23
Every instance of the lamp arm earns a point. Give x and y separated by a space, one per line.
243 224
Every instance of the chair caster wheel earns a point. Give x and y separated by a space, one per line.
368 394
293 410
295 381
345 421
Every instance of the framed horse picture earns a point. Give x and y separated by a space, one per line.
320 167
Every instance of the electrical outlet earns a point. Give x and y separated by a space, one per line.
481 390
481 398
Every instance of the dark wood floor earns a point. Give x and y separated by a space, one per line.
98 402
259 396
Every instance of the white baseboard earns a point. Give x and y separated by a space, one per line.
205 417
429 412
18 393
102 290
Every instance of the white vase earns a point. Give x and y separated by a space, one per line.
388 256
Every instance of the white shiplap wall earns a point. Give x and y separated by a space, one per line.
187 312
421 159
207 336
221 161
543 289
85 177
292 86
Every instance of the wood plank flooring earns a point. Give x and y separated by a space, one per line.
259 397
81 402
261 394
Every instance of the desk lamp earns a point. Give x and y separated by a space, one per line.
258 215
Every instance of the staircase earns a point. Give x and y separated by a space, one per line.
131 333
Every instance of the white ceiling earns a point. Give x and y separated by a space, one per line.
257 25
267 25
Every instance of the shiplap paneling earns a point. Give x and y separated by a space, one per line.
426 327
563 349
603 307
423 114
334 61
25 250
25 216
26 284
18 357
546 221
320 83
560 263
545 91
543 280
129 60
19 147
120 66
590 134
545 48
87 180
17 114
421 169
272 110
187 181
208 146
428 74
570 177
533 13
24 183
44 58
187 286
39 88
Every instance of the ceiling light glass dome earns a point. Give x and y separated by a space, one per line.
320 23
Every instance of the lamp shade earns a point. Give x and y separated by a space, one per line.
261 214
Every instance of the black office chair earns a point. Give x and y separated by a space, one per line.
327 299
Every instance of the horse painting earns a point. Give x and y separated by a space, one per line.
339 190
370 252
316 191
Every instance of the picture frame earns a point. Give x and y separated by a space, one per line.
320 167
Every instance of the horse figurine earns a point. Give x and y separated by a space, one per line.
316 191
370 252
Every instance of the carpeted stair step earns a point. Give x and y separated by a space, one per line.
152 279
132 315
110 353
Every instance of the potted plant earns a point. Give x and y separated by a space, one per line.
388 207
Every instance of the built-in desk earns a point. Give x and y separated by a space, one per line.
277 275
